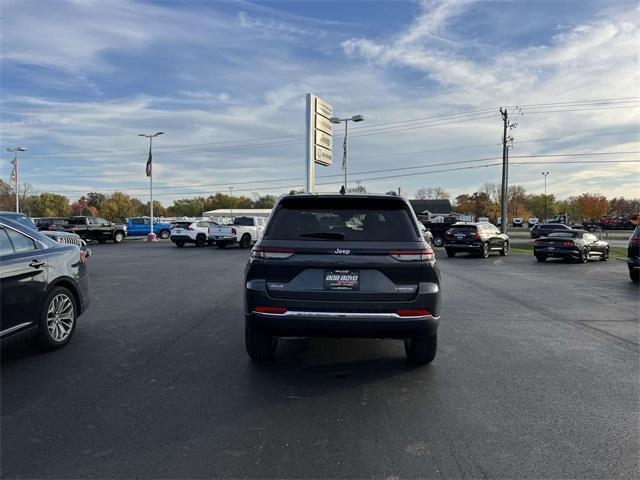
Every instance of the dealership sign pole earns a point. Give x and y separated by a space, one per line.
319 133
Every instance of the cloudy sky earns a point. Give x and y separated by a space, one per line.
226 81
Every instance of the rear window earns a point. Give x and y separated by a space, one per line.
565 234
181 224
362 219
243 221
463 229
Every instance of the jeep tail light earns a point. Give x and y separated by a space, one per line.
476 234
267 253
413 313
272 310
424 255
234 231
568 243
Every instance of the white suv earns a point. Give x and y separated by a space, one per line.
191 232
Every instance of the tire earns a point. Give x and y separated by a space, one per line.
201 240
438 240
55 331
450 253
164 234
505 249
179 244
634 275
245 241
421 350
118 237
584 256
486 249
541 258
221 244
605 255
260 347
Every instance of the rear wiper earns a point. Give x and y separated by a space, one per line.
328 235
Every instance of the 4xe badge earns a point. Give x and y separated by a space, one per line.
340 251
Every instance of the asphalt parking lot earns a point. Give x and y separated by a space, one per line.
536 377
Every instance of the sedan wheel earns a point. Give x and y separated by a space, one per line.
584 256
58 320
605 255
505 249
484 253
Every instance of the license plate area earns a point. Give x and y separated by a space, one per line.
348 280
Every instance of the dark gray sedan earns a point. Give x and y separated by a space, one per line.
577 245
44 286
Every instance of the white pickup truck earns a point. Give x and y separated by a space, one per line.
245 231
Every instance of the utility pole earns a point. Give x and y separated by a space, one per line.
545 195
505 172
14 172
151 237
231 199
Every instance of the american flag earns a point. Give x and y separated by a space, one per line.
14 170
149 166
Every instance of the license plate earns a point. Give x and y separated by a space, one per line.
551 248
341 280
459 237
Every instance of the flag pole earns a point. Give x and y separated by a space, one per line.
151 237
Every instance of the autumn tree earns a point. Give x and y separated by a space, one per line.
592 206
119 206
536 205
517 201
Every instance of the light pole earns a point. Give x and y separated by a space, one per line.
355 118
14 172
152 236
544 174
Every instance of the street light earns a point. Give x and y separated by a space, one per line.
152 236
355 118
545 194
14 172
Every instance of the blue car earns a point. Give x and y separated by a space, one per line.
139 226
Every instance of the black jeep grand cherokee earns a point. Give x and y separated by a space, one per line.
342 266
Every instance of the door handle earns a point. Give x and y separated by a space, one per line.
36 264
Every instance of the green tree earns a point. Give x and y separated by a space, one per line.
535 204
189 207
267 201
49 205
119 206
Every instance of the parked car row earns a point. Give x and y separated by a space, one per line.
87 227
244 231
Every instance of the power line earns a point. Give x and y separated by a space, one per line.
396 169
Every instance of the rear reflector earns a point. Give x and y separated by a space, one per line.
267 253
413 255
274 310
413 313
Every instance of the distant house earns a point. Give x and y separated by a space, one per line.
431 208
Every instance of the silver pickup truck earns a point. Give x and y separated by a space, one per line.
244 231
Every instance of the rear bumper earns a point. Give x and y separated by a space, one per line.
342 319
557 252
464 247
222 238
182 238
